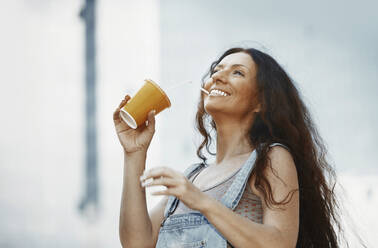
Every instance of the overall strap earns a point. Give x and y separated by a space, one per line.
279 144
172 200
234 193
231 198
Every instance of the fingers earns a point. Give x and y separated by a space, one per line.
158 172
124 101
151 120
160 176
150 123
164 181
163 192
116 116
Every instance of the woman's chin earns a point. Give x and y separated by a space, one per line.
213 109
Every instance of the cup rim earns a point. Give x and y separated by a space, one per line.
127 117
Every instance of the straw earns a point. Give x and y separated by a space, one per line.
204 90
178 85
183 83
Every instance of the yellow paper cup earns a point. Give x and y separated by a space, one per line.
149 97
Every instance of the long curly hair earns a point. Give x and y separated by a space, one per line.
284 118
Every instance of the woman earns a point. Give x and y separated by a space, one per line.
268 186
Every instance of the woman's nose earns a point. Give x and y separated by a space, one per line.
218 77
208 82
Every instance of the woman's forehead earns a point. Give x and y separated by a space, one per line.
237 58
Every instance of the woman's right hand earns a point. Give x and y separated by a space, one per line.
133 140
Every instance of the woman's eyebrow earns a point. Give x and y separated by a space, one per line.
234 65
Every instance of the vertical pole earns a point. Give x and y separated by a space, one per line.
91 187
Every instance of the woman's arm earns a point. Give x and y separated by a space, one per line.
280 227
135 227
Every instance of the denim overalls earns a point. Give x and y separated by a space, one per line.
193 230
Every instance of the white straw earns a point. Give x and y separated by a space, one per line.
204 90
178 85
182 83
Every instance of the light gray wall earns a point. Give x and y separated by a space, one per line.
42 116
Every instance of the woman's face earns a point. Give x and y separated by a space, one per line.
235 77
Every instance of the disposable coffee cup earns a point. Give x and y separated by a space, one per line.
149 97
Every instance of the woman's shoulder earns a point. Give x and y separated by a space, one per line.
282 168
281 172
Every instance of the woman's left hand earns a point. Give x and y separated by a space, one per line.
177 185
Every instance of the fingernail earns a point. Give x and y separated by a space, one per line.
148 181
142 177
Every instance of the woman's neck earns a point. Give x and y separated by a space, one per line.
232 142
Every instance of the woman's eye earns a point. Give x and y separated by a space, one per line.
239 73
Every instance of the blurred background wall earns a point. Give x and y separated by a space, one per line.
328 48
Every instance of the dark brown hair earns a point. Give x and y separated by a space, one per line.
284 118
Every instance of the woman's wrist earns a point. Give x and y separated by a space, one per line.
135 161
135 157
141 152
205 203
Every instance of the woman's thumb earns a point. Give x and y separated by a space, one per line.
151 120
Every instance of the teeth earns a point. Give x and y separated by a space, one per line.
218 92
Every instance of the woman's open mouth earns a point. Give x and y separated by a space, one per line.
218 93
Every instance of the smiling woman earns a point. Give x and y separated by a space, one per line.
234 76
270 185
